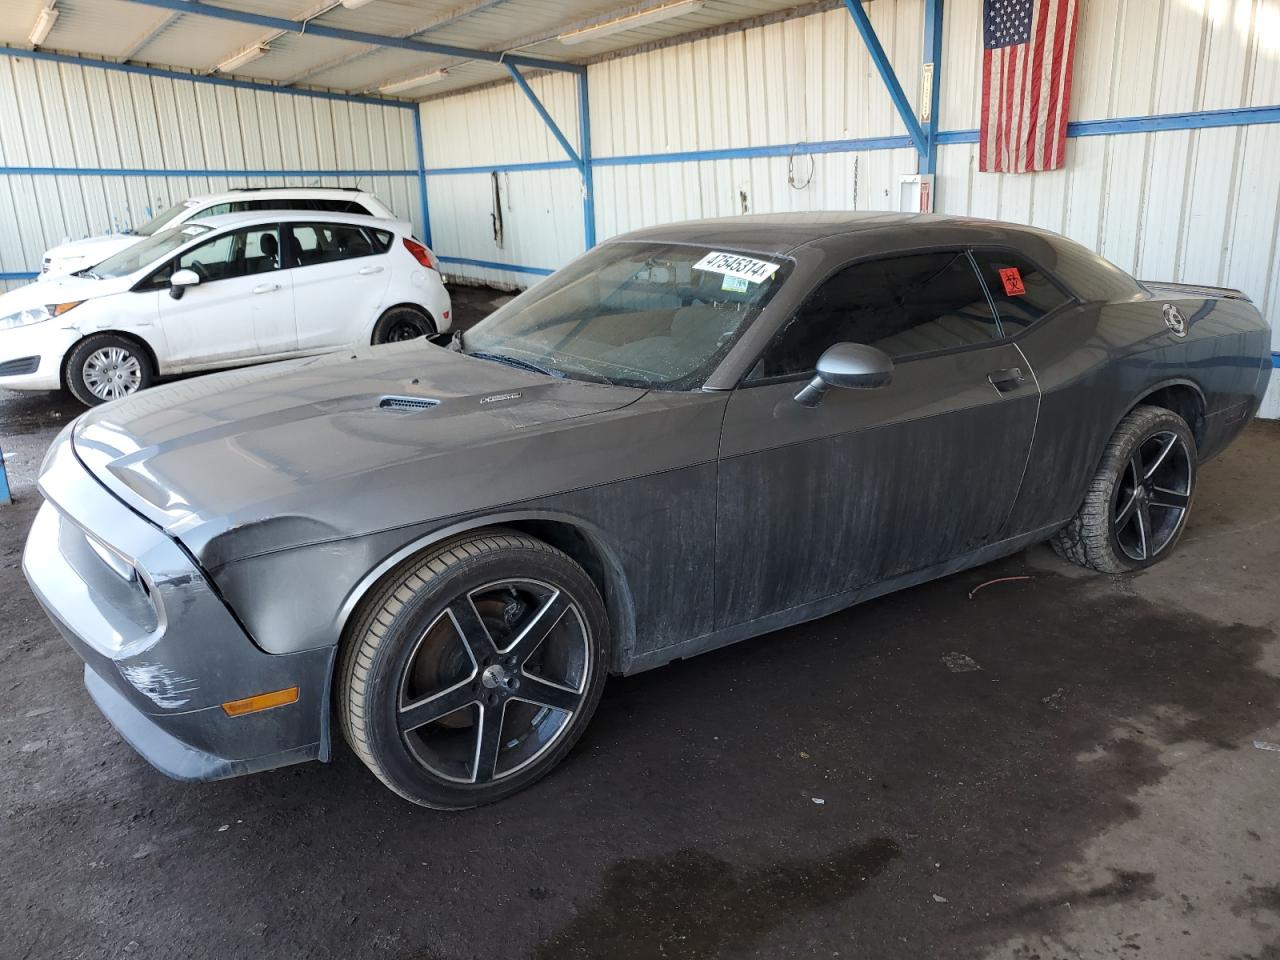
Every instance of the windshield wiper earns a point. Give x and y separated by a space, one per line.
517 362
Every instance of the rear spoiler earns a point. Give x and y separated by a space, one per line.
1197 290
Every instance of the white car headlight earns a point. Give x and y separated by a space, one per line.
24 318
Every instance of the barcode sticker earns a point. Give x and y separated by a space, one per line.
736 265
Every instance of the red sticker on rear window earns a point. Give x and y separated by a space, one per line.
1012 280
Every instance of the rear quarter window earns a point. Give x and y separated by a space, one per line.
1023 293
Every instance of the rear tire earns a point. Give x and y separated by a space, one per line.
402 323
107 366
1137 504
453 689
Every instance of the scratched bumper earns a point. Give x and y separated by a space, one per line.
162 652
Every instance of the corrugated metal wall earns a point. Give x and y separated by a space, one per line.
541 210
1194 205
71 117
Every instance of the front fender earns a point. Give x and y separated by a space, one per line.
304 597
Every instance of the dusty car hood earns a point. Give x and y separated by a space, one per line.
89 251
60 290
297 452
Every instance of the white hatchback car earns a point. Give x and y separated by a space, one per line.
78 254
221 292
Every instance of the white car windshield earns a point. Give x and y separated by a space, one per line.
160 220
132 259
654 315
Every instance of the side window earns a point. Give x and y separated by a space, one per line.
903 305
382 240
312 243
218 209
240 253
353 207
1021 291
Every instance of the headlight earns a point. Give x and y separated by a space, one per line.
24 318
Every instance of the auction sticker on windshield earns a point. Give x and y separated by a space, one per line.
736 265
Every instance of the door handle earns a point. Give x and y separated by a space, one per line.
266 287
1004 380
365 271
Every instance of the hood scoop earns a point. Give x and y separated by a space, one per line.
416 404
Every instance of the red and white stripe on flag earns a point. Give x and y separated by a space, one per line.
1028 47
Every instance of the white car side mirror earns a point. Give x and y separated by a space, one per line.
179 282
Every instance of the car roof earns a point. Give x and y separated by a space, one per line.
780 233
241 193
249 218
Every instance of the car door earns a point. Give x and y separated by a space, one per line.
242 307
340 272
872 484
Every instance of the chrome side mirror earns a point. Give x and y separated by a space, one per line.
849 366
179 282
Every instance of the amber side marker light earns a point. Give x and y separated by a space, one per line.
263 701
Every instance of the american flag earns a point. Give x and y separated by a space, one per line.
1026 83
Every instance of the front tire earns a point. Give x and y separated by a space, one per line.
472 672
1137 504
402 323
105 367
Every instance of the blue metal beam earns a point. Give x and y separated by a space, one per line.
313 29
932 55
523 84
4 483
885 68
422 177
200 78
588 181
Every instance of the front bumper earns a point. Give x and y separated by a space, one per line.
46 343
162 652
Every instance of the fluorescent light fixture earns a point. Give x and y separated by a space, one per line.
44 23
355 4
644 18
412 82
240 59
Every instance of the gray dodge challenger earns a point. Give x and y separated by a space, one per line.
691 435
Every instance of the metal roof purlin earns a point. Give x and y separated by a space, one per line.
314 29
221 81
881 62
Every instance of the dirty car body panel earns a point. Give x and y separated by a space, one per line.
210 540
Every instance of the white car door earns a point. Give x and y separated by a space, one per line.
242 307
340 272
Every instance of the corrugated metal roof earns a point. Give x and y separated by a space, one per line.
124 30
134 31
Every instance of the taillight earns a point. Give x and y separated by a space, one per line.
421 253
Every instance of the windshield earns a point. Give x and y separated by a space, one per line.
651 315
132 259
160 220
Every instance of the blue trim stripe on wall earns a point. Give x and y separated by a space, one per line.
1203 119
165 172
17 276
494 265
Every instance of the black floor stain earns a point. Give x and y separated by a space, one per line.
698 907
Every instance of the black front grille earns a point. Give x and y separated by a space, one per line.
16 368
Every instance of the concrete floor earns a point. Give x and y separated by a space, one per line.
1067 766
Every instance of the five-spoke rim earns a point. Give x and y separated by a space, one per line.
1152 496
494 681
112 372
